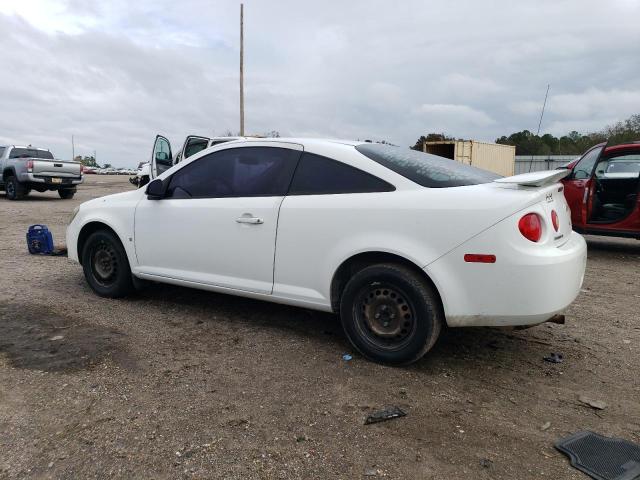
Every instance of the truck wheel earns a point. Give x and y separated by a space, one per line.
390 314
105 264
14 189
67 193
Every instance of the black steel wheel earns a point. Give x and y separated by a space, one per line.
105 264
390 314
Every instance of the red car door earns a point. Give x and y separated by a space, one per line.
578 186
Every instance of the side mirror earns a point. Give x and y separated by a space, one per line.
156 190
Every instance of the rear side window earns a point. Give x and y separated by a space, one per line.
236 172
318 175
424 169
30 153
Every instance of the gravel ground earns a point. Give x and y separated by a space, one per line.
179 383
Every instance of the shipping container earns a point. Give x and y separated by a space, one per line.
488 156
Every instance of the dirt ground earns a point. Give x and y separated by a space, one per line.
179 383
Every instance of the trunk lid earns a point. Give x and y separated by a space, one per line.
549 197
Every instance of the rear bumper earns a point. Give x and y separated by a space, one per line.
47 180
519 289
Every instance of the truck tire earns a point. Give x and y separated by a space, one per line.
14 189
390 314
67 193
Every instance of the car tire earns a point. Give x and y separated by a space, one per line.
14 190
390 314
106 266
67 193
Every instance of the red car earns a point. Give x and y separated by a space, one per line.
602 190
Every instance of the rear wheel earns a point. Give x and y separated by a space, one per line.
14 189
106 266
67 193
390 314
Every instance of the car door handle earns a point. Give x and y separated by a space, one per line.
250 220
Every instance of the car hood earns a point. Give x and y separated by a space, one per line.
114 198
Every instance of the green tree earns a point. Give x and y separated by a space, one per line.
430 137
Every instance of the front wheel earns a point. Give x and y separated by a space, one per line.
390 314
105 264
14 189
66 193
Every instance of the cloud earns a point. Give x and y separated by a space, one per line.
455 115
116 73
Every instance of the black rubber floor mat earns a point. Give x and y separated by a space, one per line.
600 457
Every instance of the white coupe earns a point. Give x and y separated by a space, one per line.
397 242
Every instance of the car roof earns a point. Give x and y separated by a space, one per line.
304 140
623 146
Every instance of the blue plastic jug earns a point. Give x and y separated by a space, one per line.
39 240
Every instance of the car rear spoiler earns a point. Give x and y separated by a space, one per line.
536 179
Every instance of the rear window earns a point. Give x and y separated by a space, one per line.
30 153
424 169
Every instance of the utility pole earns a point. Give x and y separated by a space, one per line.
73 150
242 70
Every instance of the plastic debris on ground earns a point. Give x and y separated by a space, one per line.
388 413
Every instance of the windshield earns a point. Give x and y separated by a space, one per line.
426 169
30 153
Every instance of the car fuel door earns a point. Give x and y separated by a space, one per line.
161 159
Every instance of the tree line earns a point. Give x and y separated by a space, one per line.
574 143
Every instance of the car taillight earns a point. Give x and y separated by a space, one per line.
29 165
530 227
555 220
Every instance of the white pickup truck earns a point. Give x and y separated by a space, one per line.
28 168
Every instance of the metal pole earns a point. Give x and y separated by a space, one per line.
73 150
242 70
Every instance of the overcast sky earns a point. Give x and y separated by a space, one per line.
116 72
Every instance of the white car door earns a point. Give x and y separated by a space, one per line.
161 159
192 145
216 223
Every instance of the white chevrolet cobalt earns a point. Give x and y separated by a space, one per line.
397 242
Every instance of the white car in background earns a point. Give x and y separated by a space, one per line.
399 243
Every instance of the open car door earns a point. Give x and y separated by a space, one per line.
161 159
192 145
579 187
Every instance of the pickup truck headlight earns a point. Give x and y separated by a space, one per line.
74 213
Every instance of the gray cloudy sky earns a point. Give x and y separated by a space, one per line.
114 73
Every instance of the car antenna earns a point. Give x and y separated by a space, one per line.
544 104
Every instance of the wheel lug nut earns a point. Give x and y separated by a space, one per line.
377 316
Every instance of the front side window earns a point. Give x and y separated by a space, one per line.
194 146
584 168
425 169
318 175
236 172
